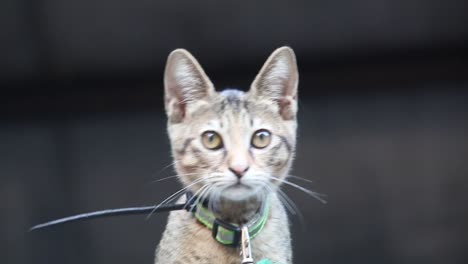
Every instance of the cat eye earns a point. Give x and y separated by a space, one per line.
212 140
261 138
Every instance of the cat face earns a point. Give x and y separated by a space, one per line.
232 145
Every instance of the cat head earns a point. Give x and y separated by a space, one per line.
230 144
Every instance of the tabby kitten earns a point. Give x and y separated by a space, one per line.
232 150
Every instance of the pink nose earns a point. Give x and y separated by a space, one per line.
239 171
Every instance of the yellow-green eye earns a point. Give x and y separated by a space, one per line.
212 140
261 138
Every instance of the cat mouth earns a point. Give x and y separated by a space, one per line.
237 185
237 191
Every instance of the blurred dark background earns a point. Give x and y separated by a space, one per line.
383 121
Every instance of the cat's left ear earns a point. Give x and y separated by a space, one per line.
185 83
278 80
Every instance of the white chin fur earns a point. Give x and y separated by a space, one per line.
238 192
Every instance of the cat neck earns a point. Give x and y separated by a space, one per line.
238 212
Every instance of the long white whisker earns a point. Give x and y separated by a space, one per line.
285 202
260 193
202 194
287 205
299 178
213 196
288 202
174 176
295 207
165 178
175 194
169 165
195 195
309 192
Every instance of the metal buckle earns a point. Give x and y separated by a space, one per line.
246 250
236 230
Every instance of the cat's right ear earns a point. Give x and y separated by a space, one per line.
184 82
277 81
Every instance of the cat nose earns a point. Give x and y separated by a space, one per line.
239 171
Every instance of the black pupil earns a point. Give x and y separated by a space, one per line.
211 137
262 135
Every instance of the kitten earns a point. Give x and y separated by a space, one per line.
232 150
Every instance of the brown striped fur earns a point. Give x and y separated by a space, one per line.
193 107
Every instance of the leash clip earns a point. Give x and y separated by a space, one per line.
246 251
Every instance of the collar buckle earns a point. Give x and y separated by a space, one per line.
246 250
226 233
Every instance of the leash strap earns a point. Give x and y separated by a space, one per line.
111 212
225 233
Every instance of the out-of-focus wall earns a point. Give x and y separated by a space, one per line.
65 38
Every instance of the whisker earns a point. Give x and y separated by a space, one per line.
213 195
287 205
202 194
172 196
309 192
286 201
289 202
169 165
294 206
173 176
195 195
165 178
263 190
299 178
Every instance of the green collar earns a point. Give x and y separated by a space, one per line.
229 234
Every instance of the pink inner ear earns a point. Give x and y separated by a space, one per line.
175 110
286 108
181 109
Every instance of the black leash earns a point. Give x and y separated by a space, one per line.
119 211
